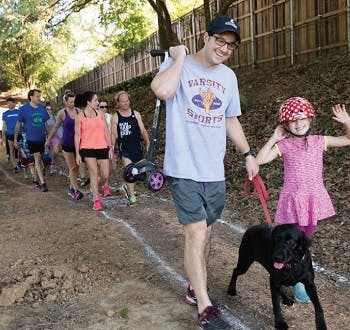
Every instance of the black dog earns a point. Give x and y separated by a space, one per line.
284 253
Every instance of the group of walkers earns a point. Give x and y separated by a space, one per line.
202 108
83 130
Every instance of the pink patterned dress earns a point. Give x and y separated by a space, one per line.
303 199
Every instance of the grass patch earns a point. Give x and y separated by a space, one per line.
124 313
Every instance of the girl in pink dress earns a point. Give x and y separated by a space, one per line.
303 199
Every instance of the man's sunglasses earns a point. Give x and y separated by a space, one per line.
103 106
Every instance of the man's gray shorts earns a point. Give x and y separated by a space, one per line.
197 201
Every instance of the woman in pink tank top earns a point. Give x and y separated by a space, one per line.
92 139
303 199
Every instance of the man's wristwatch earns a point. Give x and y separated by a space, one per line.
251 152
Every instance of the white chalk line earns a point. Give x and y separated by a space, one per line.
149 250
12 179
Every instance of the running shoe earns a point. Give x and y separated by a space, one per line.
125 191
52 169
16 169
211 319
36 185
190 298
106 191
44 188
78 195
84 182
97 205
71 193
132 201
300 293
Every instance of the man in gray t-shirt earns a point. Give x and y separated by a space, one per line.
202 106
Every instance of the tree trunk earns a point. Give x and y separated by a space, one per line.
167 37
225 5
222 10
206 4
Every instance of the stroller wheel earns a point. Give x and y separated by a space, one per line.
155 180
127 175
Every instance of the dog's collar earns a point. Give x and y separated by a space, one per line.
288 265
301 261
303 258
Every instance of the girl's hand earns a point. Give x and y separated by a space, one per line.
78 159
279 133
340 114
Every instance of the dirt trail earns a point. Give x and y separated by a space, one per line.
85 270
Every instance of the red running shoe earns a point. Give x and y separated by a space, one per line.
97 205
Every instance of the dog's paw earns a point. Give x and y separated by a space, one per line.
287 301
281 325
231 291
321 325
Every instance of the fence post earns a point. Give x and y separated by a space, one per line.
194 40
292 31
218 5
252 40
348 21
274 36
318 25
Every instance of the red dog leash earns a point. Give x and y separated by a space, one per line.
261 192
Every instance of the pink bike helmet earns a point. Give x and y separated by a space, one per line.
295 108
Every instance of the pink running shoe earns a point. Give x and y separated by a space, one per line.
97 205
106 191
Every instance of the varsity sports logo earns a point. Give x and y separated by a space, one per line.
206 100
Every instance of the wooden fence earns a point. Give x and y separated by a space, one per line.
274 32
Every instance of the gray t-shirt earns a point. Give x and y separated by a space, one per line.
196 121
50 125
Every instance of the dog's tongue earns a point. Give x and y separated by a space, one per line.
278 265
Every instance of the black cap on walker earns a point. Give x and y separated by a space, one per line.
222 24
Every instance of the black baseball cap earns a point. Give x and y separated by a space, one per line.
222 24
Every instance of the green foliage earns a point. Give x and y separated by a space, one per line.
127 23
178 8
124 313
23 51
134 83
43 43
